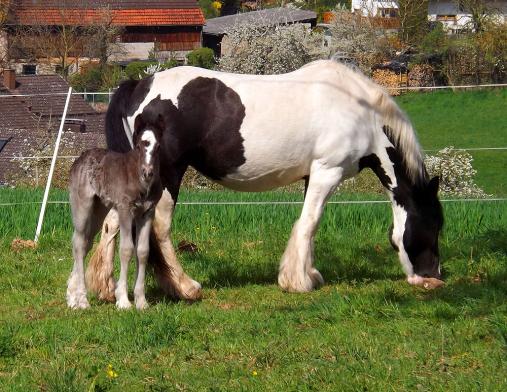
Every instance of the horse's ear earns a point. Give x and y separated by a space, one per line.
160 123
433 185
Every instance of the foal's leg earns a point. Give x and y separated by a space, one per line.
126 250
143 227
171 276
296 269
83 219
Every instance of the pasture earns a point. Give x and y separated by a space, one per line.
366 329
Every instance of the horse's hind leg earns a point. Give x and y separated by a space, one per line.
83 219
297 273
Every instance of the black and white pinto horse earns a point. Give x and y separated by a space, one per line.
322 123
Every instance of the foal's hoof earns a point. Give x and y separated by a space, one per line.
142 304
123 304
75 303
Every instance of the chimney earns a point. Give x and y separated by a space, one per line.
10 79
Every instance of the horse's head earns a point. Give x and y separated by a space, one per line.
417 240
147 143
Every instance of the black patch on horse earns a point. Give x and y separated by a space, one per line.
373 162
212 115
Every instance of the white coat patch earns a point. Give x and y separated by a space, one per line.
149 136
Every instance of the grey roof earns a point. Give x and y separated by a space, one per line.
266 17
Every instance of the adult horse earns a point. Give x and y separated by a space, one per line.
322 123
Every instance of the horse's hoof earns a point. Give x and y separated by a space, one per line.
303 285
123 304
191 291
316 277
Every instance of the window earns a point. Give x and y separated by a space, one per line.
3 142
29 69
447 18
75 124
387 12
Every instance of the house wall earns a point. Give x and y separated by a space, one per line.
453 19
436 10
372 7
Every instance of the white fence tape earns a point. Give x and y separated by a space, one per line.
447 87
264 203
431 150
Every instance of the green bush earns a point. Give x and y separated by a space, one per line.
202 57
97 78
135 69
88 80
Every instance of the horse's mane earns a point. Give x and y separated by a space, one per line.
390 118
400 132
116 138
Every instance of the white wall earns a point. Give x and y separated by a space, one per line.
371 7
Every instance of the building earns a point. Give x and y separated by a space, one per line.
454 17
160 28
31 117
382 8
216 28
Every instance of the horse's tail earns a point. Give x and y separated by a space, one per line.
118 133
99 274
401 133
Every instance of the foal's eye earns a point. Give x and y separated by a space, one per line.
146 143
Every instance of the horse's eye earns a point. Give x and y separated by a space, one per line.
146 143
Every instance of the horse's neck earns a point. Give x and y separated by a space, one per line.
389 166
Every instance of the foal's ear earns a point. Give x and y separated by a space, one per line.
433 185
139 123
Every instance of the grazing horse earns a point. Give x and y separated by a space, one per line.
322 123
129 183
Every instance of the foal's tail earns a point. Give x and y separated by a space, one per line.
401 133
118 134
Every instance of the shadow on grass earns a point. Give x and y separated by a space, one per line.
367 263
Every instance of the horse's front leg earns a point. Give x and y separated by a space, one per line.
297 273
143 227
168 270
126 250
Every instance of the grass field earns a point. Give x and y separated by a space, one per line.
366 329
466 119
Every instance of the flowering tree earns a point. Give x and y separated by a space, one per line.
358 38
454 167
261 49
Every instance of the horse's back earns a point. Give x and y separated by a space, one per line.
256 132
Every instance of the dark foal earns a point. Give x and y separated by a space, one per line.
130 183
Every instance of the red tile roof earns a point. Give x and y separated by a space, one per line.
123 17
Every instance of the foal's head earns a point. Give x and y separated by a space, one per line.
147 147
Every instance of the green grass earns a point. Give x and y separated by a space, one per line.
465 119
366 329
